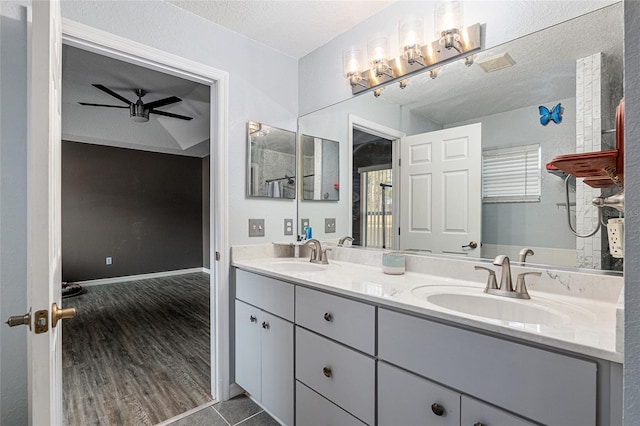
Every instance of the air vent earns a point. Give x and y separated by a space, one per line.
496 62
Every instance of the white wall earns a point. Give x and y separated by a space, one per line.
322 81
632 215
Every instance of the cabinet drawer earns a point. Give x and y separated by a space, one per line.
266 293
340 374
314 410
504 373
475 412
406 399
344 320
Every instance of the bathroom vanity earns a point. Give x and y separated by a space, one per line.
345 344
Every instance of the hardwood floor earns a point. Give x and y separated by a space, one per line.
138 352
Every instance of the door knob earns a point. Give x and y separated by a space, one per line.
472 245
58 314
20 320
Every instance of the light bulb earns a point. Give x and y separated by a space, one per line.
352 59
411 37
448 22
377 48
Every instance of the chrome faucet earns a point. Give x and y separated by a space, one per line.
344 239
318 255
522 256
506 285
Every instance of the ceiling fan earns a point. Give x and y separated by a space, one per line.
139 111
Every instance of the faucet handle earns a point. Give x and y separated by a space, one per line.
521 285
325 260
492 284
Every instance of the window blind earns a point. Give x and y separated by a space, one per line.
511 174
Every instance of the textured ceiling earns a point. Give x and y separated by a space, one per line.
295 28
111 126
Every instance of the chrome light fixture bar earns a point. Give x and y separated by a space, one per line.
466 43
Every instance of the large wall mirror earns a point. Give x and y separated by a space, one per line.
488 115
271 165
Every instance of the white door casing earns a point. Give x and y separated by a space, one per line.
441 199
43 206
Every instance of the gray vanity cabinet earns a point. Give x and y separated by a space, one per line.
541 385
264 342
335 348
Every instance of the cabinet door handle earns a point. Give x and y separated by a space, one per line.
478 424
253 319
326 371
328 317
265 325
437 409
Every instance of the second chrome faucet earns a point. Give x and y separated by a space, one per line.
506 284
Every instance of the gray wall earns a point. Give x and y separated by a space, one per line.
632 215
143 209
13 212
533 224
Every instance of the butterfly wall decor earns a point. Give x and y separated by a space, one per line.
554 115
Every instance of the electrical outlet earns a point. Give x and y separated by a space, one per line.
288 227
108 260
256 227
329 225
303 224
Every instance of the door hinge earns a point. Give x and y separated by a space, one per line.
399 162
398 230
217 255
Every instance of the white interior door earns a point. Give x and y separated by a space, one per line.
441 201
43 200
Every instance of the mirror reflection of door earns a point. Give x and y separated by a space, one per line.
372 217
441 174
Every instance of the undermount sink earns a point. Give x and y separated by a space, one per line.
296 266
472 301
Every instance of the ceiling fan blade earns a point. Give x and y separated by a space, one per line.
168 114
103 105
112 93
162 102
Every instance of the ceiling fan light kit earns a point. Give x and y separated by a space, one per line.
139 111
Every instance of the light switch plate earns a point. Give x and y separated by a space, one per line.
256 227
329 225
288 227
303 224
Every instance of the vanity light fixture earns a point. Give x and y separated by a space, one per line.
453 42
411 36
257 129
377 48
448 23
378 91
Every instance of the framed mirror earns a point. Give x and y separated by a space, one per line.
320 169
271 161
502 92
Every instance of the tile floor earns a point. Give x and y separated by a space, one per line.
240 410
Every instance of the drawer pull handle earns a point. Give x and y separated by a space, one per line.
265 325
478 424
253 319
438 409
326 371
328 317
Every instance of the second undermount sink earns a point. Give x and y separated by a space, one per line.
296 266
472 301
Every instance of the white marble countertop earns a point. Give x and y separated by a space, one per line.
587 325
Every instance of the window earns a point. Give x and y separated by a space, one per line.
511 174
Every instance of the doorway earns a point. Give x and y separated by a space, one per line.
78 35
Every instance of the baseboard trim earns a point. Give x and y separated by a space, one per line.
114 280
206 271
